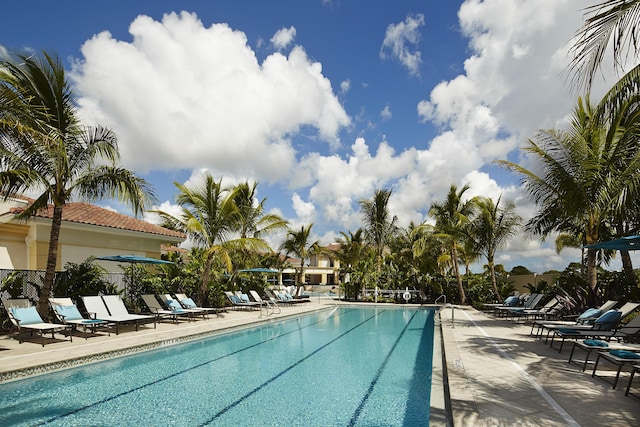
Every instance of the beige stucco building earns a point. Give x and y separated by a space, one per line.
87 230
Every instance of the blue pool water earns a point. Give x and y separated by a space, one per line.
347 366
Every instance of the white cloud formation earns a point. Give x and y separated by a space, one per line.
401 41
385 114
182 95
283 38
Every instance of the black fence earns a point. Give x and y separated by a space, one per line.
30 282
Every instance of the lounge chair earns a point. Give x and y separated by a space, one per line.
585 318
26 318
269 305
286 298
510 301
174 304
607 326
636 368
530 304
112 309
237 302
618 332
172 313
552 309
67 313
188 303
589 346
620 358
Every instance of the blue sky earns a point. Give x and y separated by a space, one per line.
321 101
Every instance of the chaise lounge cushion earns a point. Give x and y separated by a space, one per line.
27 315
174 305
590 313
608 320
512 301
595 343
69 312
624 354
188 302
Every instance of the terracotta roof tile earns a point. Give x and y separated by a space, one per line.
85 213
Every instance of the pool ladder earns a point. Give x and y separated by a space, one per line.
443 306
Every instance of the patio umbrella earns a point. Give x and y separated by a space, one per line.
628 243
133 259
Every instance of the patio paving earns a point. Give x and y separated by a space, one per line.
499 375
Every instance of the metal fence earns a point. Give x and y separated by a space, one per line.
32 281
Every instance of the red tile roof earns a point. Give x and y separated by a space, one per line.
85 213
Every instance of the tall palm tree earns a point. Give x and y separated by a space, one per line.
297 243
589 173
252 220
351 252
491 229
210 218
45 148
379 225
617 19
452 219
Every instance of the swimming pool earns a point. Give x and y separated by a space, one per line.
346 366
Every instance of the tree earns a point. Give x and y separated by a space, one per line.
252 220
45 148
612 18
491 229
452 219
210 218
379 225
351 253
587 174
297 243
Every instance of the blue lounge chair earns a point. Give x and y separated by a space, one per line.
26 318
67 313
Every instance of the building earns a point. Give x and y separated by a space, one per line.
87 230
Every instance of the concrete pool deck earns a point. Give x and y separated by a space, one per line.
498 375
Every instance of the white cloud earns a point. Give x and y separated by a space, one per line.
181 95
385 114
401 41
345 86
283 38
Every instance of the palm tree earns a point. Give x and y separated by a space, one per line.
491 229
297 243
351 252
611 18
588 174
45 148
252 220
380 226
210 219
452 219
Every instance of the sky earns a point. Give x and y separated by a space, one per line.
323 101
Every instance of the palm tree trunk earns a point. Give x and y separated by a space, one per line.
592 276
204 286
494 284
52 258
627 267
456 269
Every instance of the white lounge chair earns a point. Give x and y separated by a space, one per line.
189 304
237 302
269 305
156 308
67 313
26 318
112 309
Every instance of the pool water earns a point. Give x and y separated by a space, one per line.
345 366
